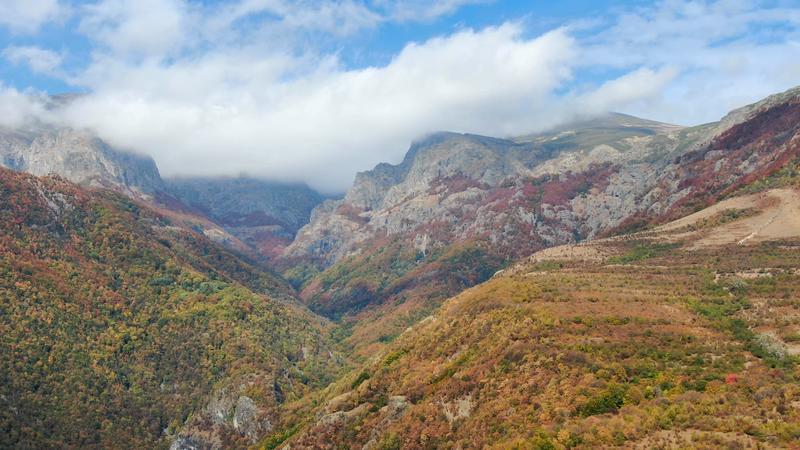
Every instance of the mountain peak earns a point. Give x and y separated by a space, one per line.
79 156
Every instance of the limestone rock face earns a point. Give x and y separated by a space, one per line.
77 156
189 443
566 185
460 207
248 215
232 416
481 186
246 419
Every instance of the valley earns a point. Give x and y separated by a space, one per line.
642 341
120 329
614 282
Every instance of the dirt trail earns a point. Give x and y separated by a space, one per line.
777 217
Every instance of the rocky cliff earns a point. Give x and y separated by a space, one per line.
395 235
78 156
248 215
476 185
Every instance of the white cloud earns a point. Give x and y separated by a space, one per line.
631 89
27 16
724 53
422 10
18 108
158 28
39 60
137 27
339 17
199 116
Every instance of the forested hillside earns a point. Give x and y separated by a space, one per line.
118 330
124 323
683 336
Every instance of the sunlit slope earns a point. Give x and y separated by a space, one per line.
461 207
117 330
670 338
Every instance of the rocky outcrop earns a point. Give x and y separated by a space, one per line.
233 416
79 157
517 196
457 409
481 186
334 422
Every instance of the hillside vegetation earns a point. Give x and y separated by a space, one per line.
116 328
460 207
613 283
643 341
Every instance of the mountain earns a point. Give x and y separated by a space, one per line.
121 330
459 207
263 214
615 282
251 216
81 157
445 171
685 335
78 156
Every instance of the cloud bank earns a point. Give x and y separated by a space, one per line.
252 86
27 16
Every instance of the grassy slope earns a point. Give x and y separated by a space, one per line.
115 327
656 345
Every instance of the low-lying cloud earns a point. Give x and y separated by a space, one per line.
202 119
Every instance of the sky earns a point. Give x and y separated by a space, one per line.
315 90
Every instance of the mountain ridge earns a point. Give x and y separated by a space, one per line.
383 256
473 281
264 224
646 340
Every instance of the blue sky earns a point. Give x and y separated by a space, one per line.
315 90
372 46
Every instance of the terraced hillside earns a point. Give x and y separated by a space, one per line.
120 330
669 338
